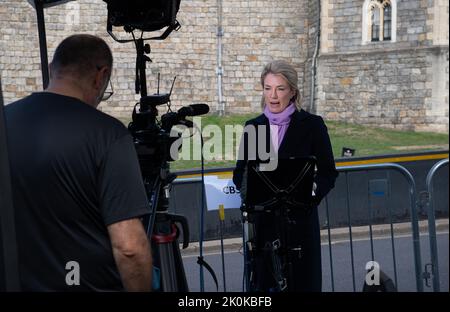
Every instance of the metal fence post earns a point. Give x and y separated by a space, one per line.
432 223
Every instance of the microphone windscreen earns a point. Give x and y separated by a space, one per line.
199 109
193 110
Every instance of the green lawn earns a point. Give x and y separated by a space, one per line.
370 141
365 140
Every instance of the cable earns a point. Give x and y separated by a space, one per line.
202 210
200 260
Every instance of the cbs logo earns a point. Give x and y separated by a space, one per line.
230 190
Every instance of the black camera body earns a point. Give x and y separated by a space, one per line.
151 141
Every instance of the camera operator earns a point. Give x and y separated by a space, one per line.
77 186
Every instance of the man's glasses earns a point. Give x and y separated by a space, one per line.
108 92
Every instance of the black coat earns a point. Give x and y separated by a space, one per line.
306 135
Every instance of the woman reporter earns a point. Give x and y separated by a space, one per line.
292 132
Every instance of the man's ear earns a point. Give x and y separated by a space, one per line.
101 76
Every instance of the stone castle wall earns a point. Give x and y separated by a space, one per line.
401 84
255 32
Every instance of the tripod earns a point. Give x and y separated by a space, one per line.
164 234
152 146
270 200
273 252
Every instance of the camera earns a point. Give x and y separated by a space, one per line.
153 138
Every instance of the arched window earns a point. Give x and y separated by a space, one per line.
379 20
375 22
387 20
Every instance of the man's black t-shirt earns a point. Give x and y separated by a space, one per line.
74 172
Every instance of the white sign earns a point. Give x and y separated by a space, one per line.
221 191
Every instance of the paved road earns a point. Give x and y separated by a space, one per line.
342 268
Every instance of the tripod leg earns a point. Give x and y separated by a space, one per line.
179 267
277 264
167 257
167 267
245 242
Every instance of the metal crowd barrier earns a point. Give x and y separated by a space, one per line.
432 225
414 222
390 216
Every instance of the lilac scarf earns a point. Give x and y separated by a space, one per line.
281 120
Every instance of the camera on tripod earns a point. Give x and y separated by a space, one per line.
152 137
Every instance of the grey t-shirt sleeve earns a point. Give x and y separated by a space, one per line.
122 192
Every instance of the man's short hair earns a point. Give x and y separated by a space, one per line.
81 54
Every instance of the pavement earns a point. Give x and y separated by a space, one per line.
336 235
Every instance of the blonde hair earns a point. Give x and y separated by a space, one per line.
288 72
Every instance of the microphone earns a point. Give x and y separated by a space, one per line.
193 110
170 119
